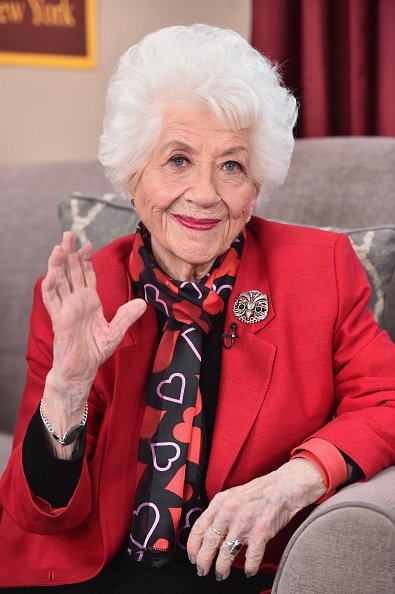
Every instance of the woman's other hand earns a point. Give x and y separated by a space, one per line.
253 514
83 339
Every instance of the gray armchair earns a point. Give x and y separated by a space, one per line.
347 545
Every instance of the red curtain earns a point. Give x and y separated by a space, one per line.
339 58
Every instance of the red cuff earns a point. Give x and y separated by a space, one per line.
328 460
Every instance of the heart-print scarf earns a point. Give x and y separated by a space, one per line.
172 438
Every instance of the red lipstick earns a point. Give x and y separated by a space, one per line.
196 224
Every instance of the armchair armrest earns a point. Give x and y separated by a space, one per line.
346 545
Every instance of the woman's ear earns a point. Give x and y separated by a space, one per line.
257 190
131 186
254 202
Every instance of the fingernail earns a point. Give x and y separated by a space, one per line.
200 571
192 559
249 574
218 577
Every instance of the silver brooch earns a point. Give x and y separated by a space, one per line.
251 307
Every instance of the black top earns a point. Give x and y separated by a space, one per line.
55 480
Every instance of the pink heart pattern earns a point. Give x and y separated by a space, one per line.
194 285
189 341
179 399
157 299
151 530
170 461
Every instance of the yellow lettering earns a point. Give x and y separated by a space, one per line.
49 14
12 12
67 13
17 12
35 7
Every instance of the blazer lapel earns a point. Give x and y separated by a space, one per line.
245 372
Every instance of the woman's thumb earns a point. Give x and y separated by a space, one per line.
127 315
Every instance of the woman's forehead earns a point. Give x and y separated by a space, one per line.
189 127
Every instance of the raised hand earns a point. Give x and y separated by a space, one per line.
83 338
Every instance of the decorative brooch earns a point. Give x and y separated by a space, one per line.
251 307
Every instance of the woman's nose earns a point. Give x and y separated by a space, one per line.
203 190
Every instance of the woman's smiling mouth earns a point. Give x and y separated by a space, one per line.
195 223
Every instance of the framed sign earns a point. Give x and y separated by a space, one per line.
55 34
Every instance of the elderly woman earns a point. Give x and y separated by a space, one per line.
195 387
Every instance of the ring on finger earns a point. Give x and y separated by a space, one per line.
234 546
217 532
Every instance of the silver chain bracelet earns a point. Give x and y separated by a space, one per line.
71 434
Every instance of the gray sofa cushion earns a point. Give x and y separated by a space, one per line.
102 219
347 182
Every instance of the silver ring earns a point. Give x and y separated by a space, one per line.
234 546
216 532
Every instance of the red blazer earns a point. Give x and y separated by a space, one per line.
316 366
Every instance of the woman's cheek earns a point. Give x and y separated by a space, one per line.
242 207
158 200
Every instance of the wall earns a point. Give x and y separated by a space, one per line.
56 115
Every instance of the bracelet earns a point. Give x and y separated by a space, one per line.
72 434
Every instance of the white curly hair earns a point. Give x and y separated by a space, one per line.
200 65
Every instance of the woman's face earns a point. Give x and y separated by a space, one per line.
195 193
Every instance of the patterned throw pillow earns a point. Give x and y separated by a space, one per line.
375 248
110 216
99 219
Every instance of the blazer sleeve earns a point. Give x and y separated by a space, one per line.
363 357
29 511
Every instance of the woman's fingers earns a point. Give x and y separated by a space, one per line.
75 263
68 242
75 272
200 528
215 540
50 296
251 515
57 265
210 543
79 267
225 558
84 256
196 538
71 270
248 515
83 338
254 555
69 293
204 541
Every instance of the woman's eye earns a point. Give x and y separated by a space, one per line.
179 160
232 166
